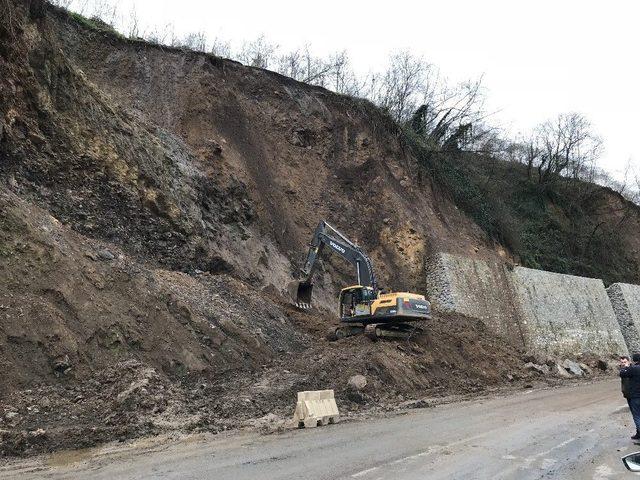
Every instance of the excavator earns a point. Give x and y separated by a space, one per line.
363 307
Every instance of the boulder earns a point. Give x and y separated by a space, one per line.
358 382
562 372
61 365
572 367
11 415
420 403
541 369
586 368
105 254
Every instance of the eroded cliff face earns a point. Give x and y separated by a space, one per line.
201 163
154 203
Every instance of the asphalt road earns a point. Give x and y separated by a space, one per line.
575 432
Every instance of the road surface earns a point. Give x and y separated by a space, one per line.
574 432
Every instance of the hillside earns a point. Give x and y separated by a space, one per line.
154 205
566 226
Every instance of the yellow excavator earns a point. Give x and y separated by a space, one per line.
363 307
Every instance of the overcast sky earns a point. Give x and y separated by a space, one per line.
539 57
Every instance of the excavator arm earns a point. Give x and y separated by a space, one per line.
327 236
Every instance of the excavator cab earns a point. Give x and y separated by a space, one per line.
356 301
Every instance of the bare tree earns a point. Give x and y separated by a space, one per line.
334 72
221 48
162 36
133 31
341 77
527 151
568 147
302 65
413 92
400 89
627 185
258 53
62 3
196 41
453 116
104 10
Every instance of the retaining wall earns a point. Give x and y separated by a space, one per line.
474 288
543 311
625 299
565 314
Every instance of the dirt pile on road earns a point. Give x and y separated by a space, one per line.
97 346
154 203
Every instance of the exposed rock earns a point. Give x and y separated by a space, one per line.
358 382
214 148
300 138
420 403
541 369
105 254
37 433
121 165
572 367
61 365
586 368
562 372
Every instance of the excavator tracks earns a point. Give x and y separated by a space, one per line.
400 331
376 331
344 331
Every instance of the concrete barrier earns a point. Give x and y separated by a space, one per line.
315 408
625 299
566 314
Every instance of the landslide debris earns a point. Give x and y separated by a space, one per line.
154 203
95 346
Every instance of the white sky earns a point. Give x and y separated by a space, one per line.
538 57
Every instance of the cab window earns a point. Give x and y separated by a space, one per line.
347 298
367 295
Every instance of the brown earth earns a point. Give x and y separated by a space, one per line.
96 346
154 203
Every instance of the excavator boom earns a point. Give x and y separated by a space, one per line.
328 236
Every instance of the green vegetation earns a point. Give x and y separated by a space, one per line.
94 23
566 226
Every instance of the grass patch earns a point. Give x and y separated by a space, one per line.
94 23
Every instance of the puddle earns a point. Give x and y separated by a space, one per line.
69 457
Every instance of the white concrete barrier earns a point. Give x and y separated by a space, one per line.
316 408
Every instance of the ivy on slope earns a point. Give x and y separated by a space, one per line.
563 226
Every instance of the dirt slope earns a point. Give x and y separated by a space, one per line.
154 204
111 348
199 162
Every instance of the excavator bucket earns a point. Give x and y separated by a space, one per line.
300 293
